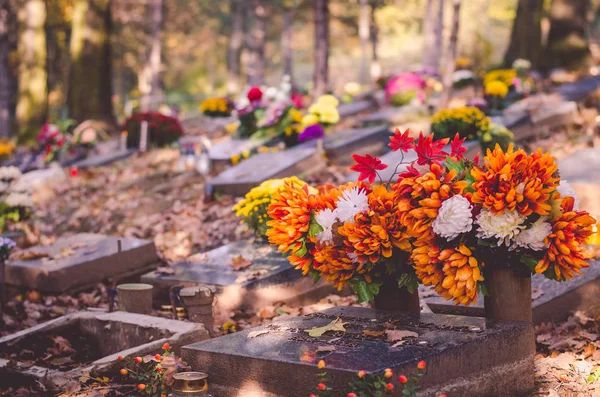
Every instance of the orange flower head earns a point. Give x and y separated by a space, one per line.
512 180
566 253
334 265
422 196
425 260
374 234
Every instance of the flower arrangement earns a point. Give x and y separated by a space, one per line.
253 208
320 116
463 78
16 203
217 107
351 90
54 141
469 122
402 89
496 88
463 63
153 375
7 148
85 135
162 130
506 76
438 224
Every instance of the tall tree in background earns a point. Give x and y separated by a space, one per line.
321 73
363 34
256 44
430 58
5 88
526 36
287 37
236 43
436 50
451 56
149 78
373 33
32 97
90 78
567 42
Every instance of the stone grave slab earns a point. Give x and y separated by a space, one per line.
99 160
238 180
268 277
395 115
353 108
112 335
77 262
582 170
340 145
393 158
579 90
552 301
465 356
221 153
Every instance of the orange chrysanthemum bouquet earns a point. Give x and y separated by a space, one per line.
440 221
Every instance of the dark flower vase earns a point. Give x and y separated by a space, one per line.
509 294
393 298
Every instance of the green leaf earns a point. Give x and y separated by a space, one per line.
483 289
314 227
366 291
314 275
529 261
409 281
451 164
302 251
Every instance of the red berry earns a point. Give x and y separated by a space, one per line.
157 357
402 379
421 364
138 360
389 386
322 386
166 346
442 395
141 386
159 369
120 358
74 171
388 373
123 371
351 395
362 373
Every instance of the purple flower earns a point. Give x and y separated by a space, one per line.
314 131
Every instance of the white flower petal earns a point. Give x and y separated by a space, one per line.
454 218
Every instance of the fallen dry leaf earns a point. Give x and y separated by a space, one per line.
398 334
240 263
368 332
254 334
325 349
335 325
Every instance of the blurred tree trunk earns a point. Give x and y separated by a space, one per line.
363 34
526 36
451 57
5 86
32 102
236 43
321 73
375 67
256 45
90 82
567 45
429 25
287 38
149 78
436 50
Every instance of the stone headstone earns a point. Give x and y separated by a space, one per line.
340 145
465 357
582 170
238 180
395 116
221 153
264 276
551 301
579 90
99 160
109 336
353 108
77 262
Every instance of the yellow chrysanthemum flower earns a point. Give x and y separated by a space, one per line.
496 88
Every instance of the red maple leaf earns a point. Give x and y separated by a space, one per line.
430 151
457 147
367 166
401 141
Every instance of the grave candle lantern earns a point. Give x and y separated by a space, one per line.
190 384
123 141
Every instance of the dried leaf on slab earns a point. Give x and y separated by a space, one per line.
335 325
399 335
240 263
254 334
325 349
368 332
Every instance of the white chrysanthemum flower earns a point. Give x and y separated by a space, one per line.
454 217
504 227
325 218
19 200
566 190
534 237
352 202
9 173
271 93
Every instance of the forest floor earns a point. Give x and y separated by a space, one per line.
145 197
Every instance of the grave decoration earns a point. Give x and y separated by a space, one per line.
254 207
469 122
216 107
495 92
7 148
54 140
496 134
161 131
441 223
281 119
319 118
352 90
16 203
463 75
402 89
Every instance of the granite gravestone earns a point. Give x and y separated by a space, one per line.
238 180
77 262
340 145
465 356
245 274
221 153
354 108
